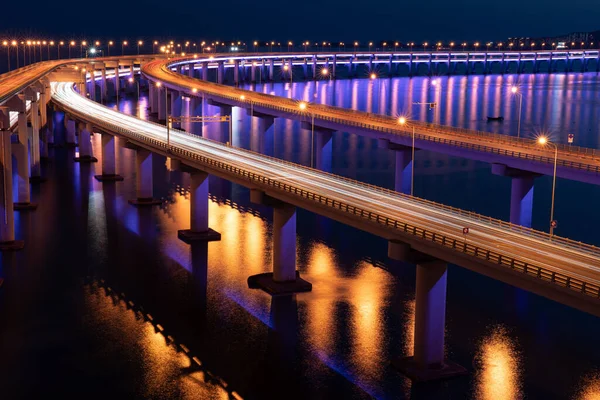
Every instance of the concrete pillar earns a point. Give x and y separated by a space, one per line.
314 67
333 66
199 230
104 88
391 66
220 72
271 70
151 97
205 71
176 101
50 126
305 69
284 243
521 200
196 110
350 67
430 314
7 225
21 153
258 134
109 167
85 144
403 171
92 83
117 81
161 94
34 142
191 70
236 72
323 149
143 179
70 126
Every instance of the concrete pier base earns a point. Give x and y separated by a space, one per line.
85 145
429 362
108 160
199 230
284 279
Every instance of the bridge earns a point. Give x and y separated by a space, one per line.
519 158
418 231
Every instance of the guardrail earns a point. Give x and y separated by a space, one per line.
544 274
232 94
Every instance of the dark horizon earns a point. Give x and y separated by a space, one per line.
239 21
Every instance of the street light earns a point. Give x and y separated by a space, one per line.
325 72
543 140
515 91
373 75
402 121
123 44
139 43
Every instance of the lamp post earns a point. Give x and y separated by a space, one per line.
5 44
123 44
515 91
402 121
139 43
16 44
542 140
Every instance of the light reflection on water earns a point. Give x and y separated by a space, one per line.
499 371
590 387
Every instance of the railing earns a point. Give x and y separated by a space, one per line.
544 274
232 94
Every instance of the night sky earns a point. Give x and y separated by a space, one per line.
314 20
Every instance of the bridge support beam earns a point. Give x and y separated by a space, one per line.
143 179
85 144
199 230
428 361
109 166
403 170
284 279
521 194
7 224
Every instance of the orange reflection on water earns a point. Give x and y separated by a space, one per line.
161 364
409 327
498 373
590 388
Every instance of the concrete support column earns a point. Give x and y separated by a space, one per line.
284 243
7 225
34 142
109 166
220 72
253 73
117 81
403 171
205 71
161 94
271 70
70 127
258 135
284 278
350 67
50 126
305 69
196 110
410 66
314 67
323 149
199 230
333 66
92 83
391 66
143 179
521 200
236 72
21 153
104 86
176 100
85 144
430 314
151 97
191 70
